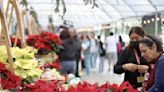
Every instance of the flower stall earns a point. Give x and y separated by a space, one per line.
35 68
39 74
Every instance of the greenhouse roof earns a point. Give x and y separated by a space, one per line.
84 15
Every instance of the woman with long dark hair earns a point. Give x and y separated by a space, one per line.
130 61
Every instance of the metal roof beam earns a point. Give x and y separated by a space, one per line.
154 6
130 8
103 10
156 16
115 9
31 3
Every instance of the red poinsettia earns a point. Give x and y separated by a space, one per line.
54 64
52 37
46 40
9 80
84 87
125 86
44 86
111 87
87 87
18 44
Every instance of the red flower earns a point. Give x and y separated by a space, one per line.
127 86
13 41
45 40
114 88
45 86
54 64
84 87
9 80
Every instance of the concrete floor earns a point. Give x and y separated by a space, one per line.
104 77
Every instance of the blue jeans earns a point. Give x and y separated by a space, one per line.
68 67
87 63
93 59
101 64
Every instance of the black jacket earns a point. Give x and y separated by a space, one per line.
101 50
68 52
78 50
127 56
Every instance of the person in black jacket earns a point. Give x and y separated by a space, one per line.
67 53
130 61
78 51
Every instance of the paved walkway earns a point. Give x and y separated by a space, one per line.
102 78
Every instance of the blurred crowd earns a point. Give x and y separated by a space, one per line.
141 59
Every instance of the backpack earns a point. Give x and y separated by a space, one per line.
101 51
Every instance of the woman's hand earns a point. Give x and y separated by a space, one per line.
130 67
142 68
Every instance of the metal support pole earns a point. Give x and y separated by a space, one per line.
156 16
156 24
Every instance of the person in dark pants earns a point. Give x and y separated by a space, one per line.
130 61
101 52
78 51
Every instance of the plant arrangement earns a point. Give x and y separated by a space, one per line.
25 64
46 42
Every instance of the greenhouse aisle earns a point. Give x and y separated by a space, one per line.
102 78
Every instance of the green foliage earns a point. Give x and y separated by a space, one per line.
34 14
24 3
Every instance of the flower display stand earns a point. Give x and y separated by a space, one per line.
4 37
28 22
9 13
50 80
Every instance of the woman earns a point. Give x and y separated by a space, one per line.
86 52
101 52
78 52
130 61
120 45
67 54
93 50
152 51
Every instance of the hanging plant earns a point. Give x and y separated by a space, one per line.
95 4
92 2
64 7
24 3
34 14
58 5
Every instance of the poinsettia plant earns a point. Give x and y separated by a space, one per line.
18 42
44 86
25 64
54 64
46 40
84 87
87 87
8 80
